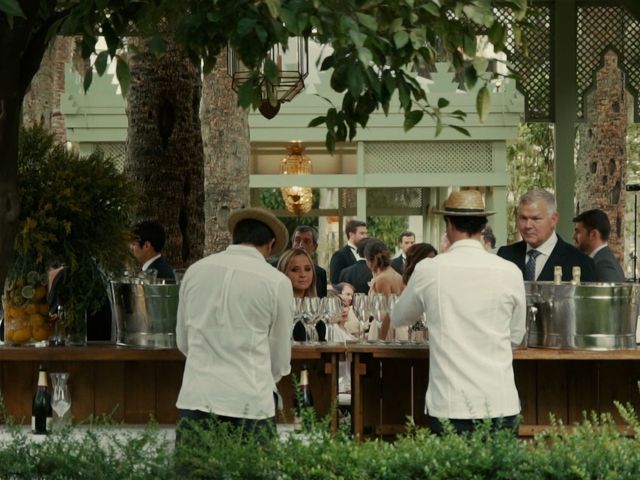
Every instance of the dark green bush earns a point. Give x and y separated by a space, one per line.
595 449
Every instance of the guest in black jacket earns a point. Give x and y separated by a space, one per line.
542 249
355 230
359 274
148 241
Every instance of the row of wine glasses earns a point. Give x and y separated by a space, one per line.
314 318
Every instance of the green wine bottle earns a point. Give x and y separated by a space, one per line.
41 411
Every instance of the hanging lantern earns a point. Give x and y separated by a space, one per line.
298 200
293 68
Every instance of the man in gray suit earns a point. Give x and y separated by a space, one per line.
590 235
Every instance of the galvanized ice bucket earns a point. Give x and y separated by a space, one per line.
592 316
144 314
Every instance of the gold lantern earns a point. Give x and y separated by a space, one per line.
293 68
298 200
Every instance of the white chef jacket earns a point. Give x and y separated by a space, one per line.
234 326
475 306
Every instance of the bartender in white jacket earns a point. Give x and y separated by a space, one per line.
475 306
234 327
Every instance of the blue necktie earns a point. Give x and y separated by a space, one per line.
530 267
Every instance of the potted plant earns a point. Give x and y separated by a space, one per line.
74 211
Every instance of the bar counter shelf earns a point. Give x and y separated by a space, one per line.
133 384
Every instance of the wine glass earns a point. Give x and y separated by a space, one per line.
61 399
359 304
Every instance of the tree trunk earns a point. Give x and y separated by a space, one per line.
41 105
225 131
601 161
164 149
27 36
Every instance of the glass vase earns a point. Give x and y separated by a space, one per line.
70 328
26 312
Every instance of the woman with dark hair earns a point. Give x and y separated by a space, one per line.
385 279
416 253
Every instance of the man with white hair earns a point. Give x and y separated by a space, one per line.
541 248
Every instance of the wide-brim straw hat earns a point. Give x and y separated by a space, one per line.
266 217
465 203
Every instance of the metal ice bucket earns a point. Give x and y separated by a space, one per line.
144 315
591 316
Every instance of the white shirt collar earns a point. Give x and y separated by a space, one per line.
547 246
466 242
149 262
593 254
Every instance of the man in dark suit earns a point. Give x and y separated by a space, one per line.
359 274
306 237
405 241
591 236
146 247
542 249
355 230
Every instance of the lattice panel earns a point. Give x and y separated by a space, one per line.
115 152
430 157
600 28
532 61
386 197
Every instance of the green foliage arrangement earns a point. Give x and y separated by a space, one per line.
75 211
387 229
595 449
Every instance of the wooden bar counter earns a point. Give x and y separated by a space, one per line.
389 382
132 385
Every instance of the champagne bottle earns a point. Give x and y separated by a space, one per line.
557 275
41 411
576 275
304 399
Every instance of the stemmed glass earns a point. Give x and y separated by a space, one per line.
332 308
311 309
360 304
61 399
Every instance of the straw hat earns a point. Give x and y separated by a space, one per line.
465 203
266 217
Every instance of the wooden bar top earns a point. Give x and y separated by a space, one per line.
104 352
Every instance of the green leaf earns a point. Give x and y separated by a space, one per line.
365 56
88 78
400 39
368 21
123 75
405 97
469 45
443 103
317 121
461 130
438 126
290 19
245 94
101 62
470 77
483 103
418 38
11 8
274 7
412 118
270 70
245 26
432 8
354 80
330 142
328 63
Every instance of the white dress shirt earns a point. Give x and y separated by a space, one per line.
148 263
475 307
234 326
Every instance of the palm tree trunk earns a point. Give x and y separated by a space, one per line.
225 130
164 149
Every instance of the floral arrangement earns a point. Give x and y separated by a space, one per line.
74 211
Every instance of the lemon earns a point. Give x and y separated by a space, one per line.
21 336
41 332
36 319
43 309
28 292
39 293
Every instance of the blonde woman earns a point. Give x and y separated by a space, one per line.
298 266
